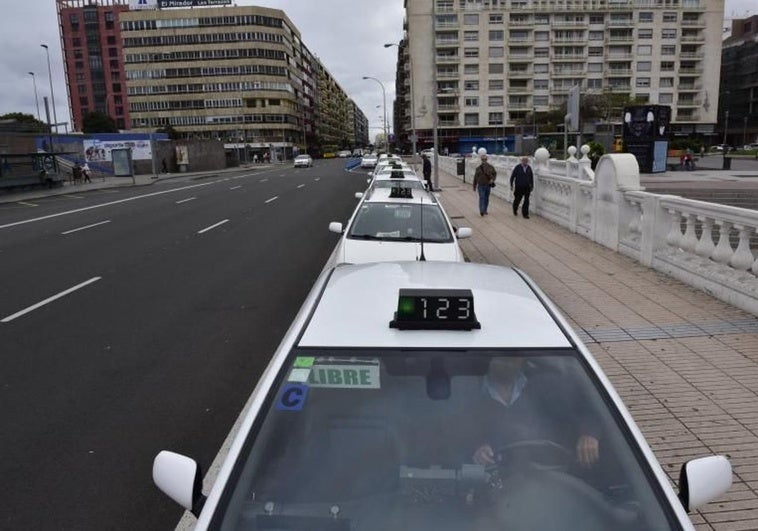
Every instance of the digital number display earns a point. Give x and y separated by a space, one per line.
437 309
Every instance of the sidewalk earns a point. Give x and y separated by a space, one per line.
685 364
101 183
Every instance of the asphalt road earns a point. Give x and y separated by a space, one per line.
184 290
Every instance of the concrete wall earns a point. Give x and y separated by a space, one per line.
204 155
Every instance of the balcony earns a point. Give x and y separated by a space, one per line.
513 74
691 55
687 117
446 42
620 56
448 58
455 122
448 75
692 38
568 24
693 24
689 87
569 57
689 103
520 106
570 40
616 39
573 72
690 71
519 90
618 72
448 107
620 23
446 25
521 23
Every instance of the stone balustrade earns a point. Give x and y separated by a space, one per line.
706 245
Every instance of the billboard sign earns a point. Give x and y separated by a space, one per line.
163 4
100 150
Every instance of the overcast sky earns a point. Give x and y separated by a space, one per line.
347 35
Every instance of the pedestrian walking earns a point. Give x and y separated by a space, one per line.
86 173
164 166
522 184
484 181
255 158
427 170
76 172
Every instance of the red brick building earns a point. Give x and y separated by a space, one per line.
93 58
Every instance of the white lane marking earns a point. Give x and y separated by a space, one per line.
109 203
272 199
87 227
317 179
300 186
185 200
49 300
235 187
73 196
206 229
27 204
263 180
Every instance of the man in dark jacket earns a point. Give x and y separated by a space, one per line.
427 171
484 180
522 183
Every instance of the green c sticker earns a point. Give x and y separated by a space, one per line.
304 361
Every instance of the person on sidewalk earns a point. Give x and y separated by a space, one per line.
522 184
427 170
86 173
484 181
76 173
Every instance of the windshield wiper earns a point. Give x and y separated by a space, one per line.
365 237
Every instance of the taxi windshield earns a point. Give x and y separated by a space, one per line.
400 222
440 440
413 184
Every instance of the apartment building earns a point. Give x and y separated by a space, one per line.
738 106
91 43
482 67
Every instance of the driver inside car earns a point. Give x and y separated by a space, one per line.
519 403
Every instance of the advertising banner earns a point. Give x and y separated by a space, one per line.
192 3
100 150
135 5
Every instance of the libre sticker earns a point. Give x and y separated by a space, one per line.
292 397
304 361
299 375
345 376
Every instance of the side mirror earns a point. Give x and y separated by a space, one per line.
368 180
358 195
178 477
335 226
463 232
703 480
369 173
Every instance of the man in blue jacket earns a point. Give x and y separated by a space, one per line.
522 183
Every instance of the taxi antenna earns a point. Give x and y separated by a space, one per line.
422 258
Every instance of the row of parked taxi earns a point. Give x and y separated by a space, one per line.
416 391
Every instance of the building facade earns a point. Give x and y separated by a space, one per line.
738 106
360 126
92 58
483 67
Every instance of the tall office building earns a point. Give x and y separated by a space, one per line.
482 67
739 83
92 57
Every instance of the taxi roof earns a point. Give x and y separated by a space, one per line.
359 301
384 195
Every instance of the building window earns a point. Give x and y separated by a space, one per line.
109 16
665 98
597 19
471 19
471 119
496 51
111 40
645 16
496 19
538 36
76 42
642 96
596 35
496 68
644 66
496 35
594 83
541 84
471 101
79 65
495 101
541 68
644 49
470 85
74 20
471 52
668 33
83 100
112 52
80 77
117 87
645 33
542 19
495 84
495 118
642 82
668 49
471 69
471 36
666 82
594 67
596 51
542 52
523 35
540 101
667 66
669 16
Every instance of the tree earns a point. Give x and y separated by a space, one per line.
25 119
98 122
172 133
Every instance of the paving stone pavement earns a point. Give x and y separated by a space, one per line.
685 364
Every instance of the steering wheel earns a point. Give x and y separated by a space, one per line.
560 456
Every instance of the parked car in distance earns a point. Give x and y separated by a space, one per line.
369 160
303 161
343 154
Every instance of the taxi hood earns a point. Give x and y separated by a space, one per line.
362 252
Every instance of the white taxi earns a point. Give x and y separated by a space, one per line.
437 396
398 223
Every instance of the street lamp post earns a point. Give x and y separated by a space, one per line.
52 94
384 100
36 99
726 126
744 131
